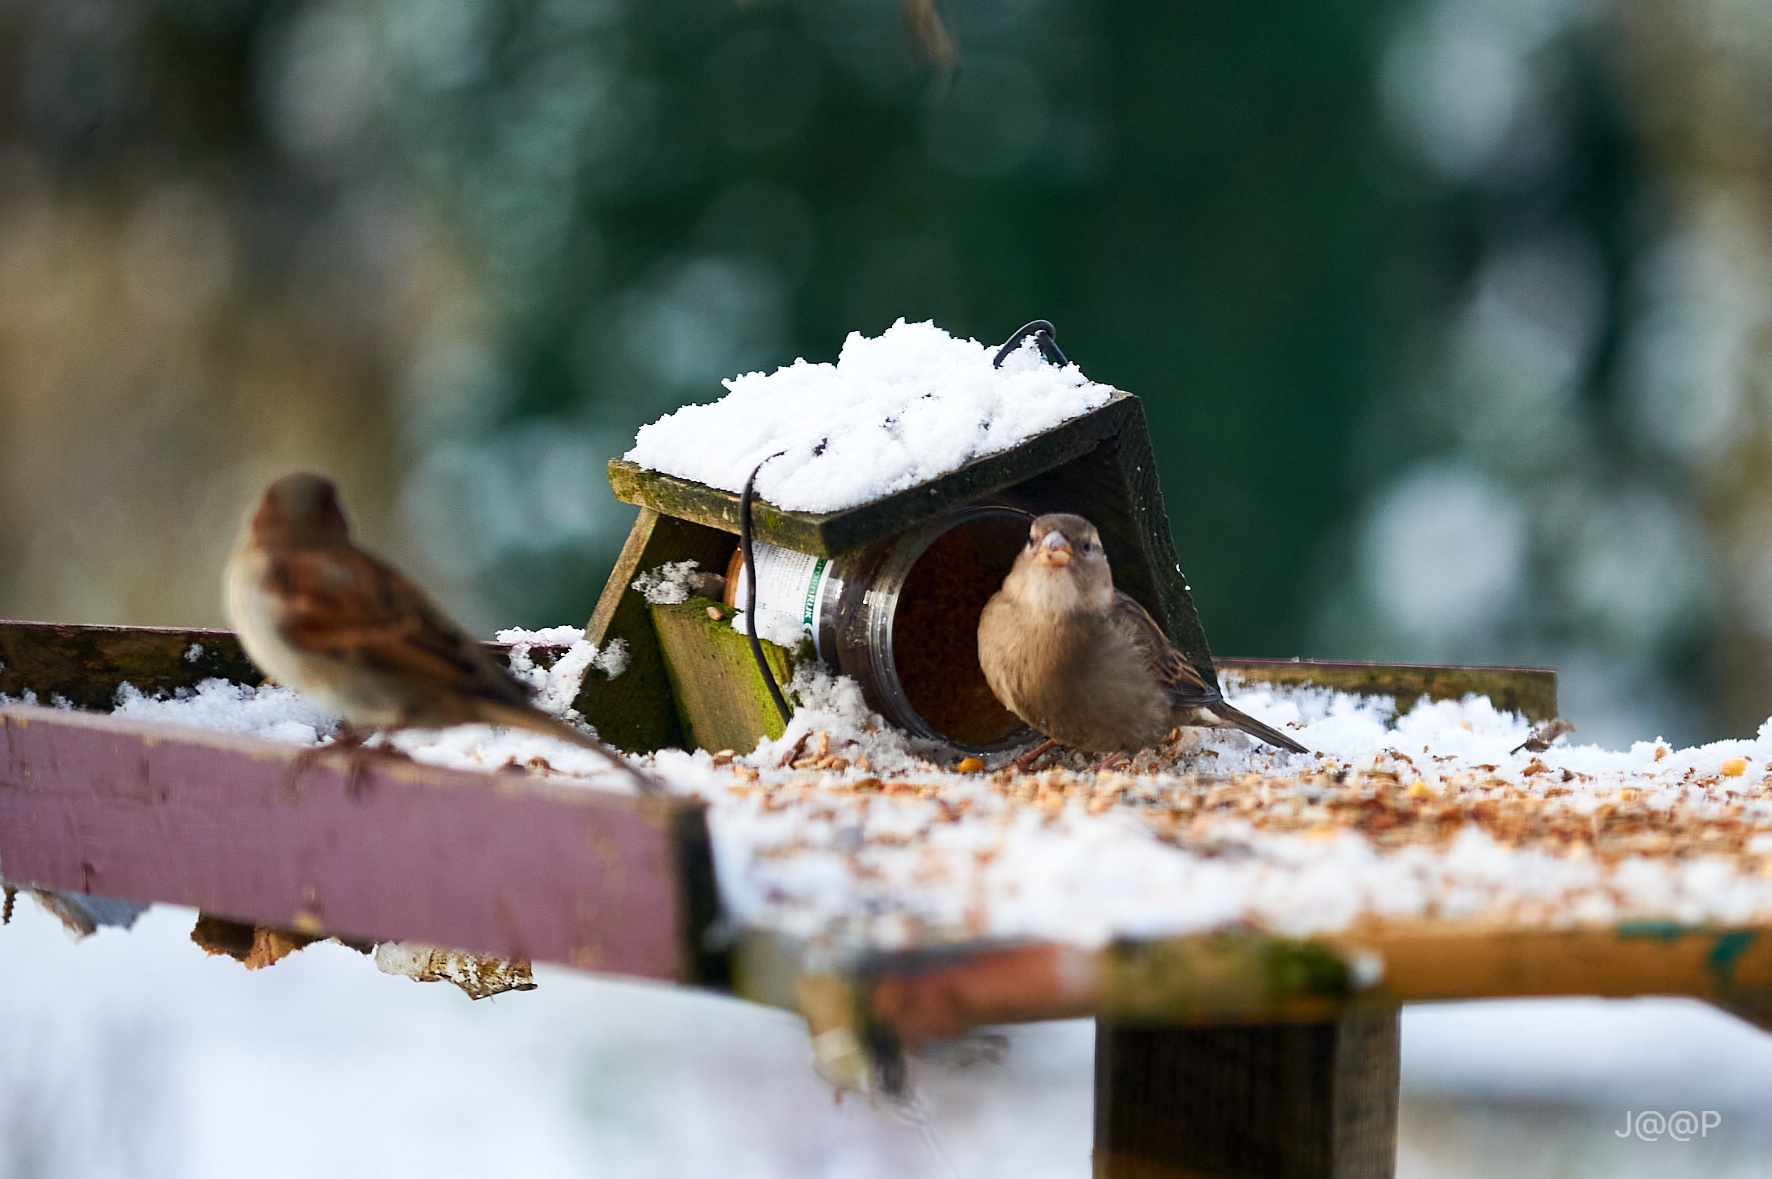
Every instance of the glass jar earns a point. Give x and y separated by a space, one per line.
900 617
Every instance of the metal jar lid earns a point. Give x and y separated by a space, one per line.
901 618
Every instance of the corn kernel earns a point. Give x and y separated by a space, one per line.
969 765
1734 767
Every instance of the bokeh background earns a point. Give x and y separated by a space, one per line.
1452 318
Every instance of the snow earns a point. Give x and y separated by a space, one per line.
271 712
1546 1049
547 636
893 411
556 687
1224 832
277 713
135 1054
783 630
668 584
848 833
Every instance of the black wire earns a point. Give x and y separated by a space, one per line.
1044 334
750 590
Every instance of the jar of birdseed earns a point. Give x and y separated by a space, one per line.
900 617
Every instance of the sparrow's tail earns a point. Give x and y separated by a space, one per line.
537 721
1234 719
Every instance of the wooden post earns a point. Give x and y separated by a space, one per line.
719 694
633 712
1252 1101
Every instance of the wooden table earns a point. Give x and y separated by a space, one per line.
1230 1054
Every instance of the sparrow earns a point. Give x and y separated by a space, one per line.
331 620
1083 663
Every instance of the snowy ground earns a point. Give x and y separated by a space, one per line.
132 1054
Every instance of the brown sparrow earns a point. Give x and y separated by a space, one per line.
319 614
1085 664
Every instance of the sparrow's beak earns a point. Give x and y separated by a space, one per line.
1055 550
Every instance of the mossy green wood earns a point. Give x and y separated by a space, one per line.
720 697
85 664
634 712
1530 691
1250 976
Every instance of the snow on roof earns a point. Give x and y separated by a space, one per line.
893 412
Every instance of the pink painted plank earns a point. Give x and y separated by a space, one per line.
378 849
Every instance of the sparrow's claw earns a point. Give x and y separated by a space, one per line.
1026 760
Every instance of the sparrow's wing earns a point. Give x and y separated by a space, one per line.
1182 680
346 605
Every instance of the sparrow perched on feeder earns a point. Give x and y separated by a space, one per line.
323 616
1085 664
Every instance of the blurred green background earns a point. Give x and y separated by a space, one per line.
1453 318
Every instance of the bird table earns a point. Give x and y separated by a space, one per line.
1236 1053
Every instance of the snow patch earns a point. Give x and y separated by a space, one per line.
668 584
894 411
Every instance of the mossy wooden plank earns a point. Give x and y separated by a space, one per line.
720 697
1439 960
633 712
1249 976
1530 691
828 534
84 664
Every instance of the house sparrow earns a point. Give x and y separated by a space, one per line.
1085 664
319 614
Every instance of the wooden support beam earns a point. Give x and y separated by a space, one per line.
633 712
1260 1101
346 842
721 700
1246 977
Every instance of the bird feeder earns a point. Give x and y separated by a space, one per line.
890 593
892 589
